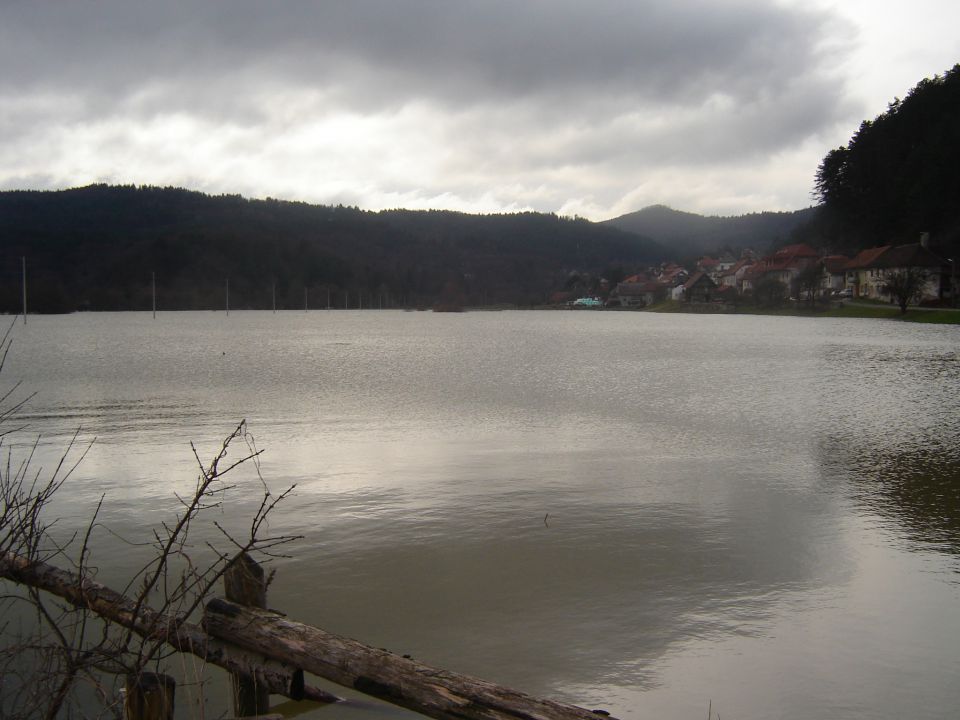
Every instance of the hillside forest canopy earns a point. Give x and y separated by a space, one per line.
98 248
899 176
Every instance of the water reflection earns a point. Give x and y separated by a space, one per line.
917 491
895 433
620 575
605 508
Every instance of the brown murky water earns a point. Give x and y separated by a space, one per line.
762 514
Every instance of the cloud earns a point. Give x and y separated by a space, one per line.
509 104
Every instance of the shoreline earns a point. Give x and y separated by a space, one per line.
869 311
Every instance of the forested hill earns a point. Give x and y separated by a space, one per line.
899 175
686 233
96 248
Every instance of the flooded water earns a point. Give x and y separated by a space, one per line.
650 514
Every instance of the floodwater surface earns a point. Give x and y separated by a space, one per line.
649 514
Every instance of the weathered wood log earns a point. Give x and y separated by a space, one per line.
244 583
430 691
278 678
149 696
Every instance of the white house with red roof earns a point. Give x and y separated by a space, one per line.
867 272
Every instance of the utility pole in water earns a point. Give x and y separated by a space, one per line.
153 292
24 259
228 297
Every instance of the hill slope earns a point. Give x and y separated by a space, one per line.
691 234
96 247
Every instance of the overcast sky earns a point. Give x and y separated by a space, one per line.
588 107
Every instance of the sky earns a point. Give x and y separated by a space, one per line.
593 108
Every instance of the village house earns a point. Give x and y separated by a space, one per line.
639 294
733 277
834 275
785 266
673 275
780 270
699 288
863 273
724 263
867 272
707 265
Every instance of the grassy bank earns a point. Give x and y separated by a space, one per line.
882 312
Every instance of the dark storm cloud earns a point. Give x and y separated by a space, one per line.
382 51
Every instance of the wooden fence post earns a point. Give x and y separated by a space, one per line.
244 584
149 696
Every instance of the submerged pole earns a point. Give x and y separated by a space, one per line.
153 289
245 583
274 295
149 696
24 259
228 297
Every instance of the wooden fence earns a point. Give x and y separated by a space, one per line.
267 653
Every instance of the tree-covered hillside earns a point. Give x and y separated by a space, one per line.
899 175
686 233
96 248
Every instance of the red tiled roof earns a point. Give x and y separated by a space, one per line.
769 265
867 258
836 263
737 267
913 255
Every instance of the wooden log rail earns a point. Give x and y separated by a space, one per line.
277 677
274 651
399 680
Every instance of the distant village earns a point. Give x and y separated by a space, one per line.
793 272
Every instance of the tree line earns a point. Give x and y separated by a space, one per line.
97 247
897 177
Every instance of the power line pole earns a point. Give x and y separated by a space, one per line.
24 259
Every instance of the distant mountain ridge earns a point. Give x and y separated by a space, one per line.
685 233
